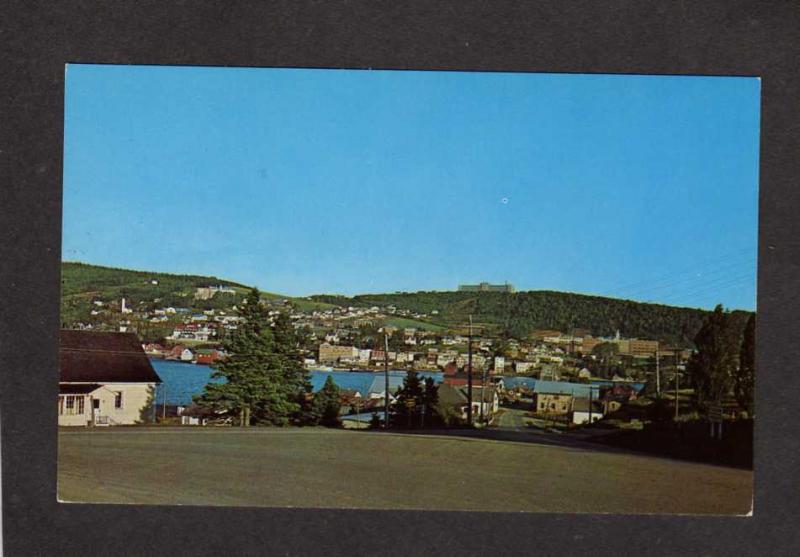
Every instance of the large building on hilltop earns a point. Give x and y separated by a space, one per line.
486 287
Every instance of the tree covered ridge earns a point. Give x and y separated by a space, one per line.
521 313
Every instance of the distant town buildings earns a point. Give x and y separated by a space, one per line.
208 292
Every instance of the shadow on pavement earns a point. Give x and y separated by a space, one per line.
595 440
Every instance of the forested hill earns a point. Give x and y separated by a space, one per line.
519 313
523 312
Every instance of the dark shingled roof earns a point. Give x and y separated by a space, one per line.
77 389
88 356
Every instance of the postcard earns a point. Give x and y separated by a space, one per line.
475 291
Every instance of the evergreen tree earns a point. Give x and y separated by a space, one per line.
408 403
430 403
289 345
327 404
744 381
261 376
711 368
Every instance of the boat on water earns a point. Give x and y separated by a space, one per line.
319 368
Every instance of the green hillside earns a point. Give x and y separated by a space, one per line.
523 312
518 313
81 284
82 279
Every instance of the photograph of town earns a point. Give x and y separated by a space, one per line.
510 292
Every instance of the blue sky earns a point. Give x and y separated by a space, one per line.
323 181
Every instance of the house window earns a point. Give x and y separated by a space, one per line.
541 406
552 406
118 400
71 405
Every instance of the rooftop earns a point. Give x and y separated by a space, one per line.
100 357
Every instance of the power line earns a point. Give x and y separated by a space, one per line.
732 258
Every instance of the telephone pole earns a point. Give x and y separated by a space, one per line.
469 373
677 378
386 380
658 377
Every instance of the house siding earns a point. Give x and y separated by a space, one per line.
136 397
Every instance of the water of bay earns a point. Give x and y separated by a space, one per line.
182 381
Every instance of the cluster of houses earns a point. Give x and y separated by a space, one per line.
546 354
579 403
182 353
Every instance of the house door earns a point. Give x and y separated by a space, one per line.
95 409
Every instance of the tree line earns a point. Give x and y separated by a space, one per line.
521 313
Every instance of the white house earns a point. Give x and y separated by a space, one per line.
105 379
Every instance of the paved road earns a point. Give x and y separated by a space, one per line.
359 469
511 418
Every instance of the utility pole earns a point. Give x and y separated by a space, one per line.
164 410
469 373
590 404
386 380
677 379
483 393
658 377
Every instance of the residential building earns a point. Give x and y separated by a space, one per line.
208 356
581 413
555 397
105 379
485 401
499 365
522 368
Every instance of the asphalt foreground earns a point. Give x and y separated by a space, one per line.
357 469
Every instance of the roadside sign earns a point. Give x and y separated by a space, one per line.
715 413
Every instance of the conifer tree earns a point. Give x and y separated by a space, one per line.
430 403
289 344
327 404
262 376
711 368
408 402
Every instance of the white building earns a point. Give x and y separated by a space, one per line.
105 379
499 364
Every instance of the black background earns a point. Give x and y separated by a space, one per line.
609 36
